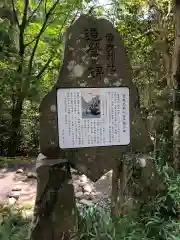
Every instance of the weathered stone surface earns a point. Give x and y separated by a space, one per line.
16 188
19 171
75 72
31 175
14 195
12 201
79 195
54 213
86 202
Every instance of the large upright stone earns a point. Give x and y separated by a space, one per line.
94 57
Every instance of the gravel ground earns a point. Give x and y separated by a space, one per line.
18 185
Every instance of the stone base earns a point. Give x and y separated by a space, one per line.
54 212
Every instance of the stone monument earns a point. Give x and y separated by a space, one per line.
94 78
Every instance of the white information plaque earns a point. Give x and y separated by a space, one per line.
91 117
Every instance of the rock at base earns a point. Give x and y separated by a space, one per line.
14 189
14 195
55 212
32 175
11 201
20 171
86 202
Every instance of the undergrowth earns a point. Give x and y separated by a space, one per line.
95 223
8 162
13 225
157 220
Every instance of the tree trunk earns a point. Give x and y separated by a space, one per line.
119 184
176 89
115 188
15 142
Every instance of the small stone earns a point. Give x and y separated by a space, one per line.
87 188
78 205
75 177
32 175
86 202
53 108
19 171
11 200
25 179
16 189
142 162
77 189
14 195
87 196
83 179
77 182
73 171
79 195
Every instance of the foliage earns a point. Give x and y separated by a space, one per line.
13 225
157 220
6 162
31 50
94 224
28 70
137 22
152 222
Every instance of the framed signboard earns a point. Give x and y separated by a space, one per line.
93 117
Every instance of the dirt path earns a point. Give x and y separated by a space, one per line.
18 184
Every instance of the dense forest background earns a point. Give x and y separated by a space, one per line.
31 54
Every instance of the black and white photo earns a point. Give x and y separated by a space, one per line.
90 104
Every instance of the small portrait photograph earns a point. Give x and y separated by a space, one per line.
90 103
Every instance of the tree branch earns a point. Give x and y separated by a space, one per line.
30 17
15 14
45 6
22 28
100 6
170 8
74 16
21 36
39 35
156 32
148 32
64 22
29 43
39 75
33 40
50 59
24 19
